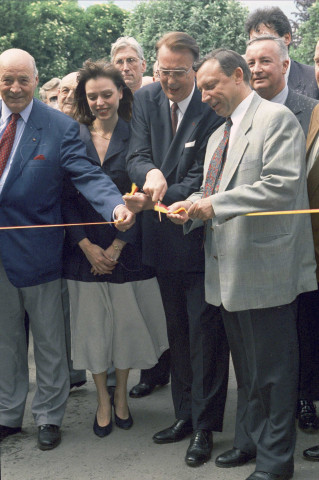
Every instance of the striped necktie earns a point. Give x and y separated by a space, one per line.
216 166
7 140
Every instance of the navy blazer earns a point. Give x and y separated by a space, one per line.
76 209
180 158
302 79
50 146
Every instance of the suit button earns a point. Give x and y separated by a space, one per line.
216 258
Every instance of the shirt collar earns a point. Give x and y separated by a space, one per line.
241 109
6 112
281 97
183 104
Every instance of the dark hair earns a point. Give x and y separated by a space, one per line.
100 68
272 17
228 61
177 41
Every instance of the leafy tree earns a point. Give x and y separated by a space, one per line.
58 33
213 23
104 24
309 34
301 16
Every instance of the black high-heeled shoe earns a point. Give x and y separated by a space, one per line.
102 431
125 423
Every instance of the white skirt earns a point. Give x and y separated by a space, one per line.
123 324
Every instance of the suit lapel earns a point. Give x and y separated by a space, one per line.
188 124
292 102
119 138
294 79
239 145
28 143
160 121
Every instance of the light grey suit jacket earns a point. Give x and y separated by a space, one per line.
262 261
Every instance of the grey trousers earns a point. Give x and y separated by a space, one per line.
44 306
264 348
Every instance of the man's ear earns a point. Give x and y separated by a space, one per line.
143 66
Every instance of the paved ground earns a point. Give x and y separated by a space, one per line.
125 455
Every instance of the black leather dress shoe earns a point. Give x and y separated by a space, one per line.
312 454
7 431
233 458
308 421
49 436
268 476
77 384
142 389
179 430
200 448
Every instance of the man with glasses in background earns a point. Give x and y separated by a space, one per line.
170 128
128 57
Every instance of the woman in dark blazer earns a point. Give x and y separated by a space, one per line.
117 314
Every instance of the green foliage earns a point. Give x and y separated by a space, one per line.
58 33
213 23
104 24
309 34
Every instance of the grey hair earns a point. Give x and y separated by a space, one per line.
282 47
53 83
123 42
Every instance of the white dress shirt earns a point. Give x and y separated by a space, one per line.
182 107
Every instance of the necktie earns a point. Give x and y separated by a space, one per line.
217 163
174 108
7 140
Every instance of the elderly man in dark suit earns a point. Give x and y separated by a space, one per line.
267 58
38 144
273 21
170 127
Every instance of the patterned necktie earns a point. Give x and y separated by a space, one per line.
174 108
217 163
7 140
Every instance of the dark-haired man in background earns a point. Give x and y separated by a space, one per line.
273 21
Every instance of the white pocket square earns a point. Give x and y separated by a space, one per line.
190 144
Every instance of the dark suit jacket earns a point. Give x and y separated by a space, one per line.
302 79
32 195
76 209
181 161
302 107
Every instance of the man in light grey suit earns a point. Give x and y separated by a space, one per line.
255 266
268 60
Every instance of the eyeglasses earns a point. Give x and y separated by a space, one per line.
178 73
130 61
